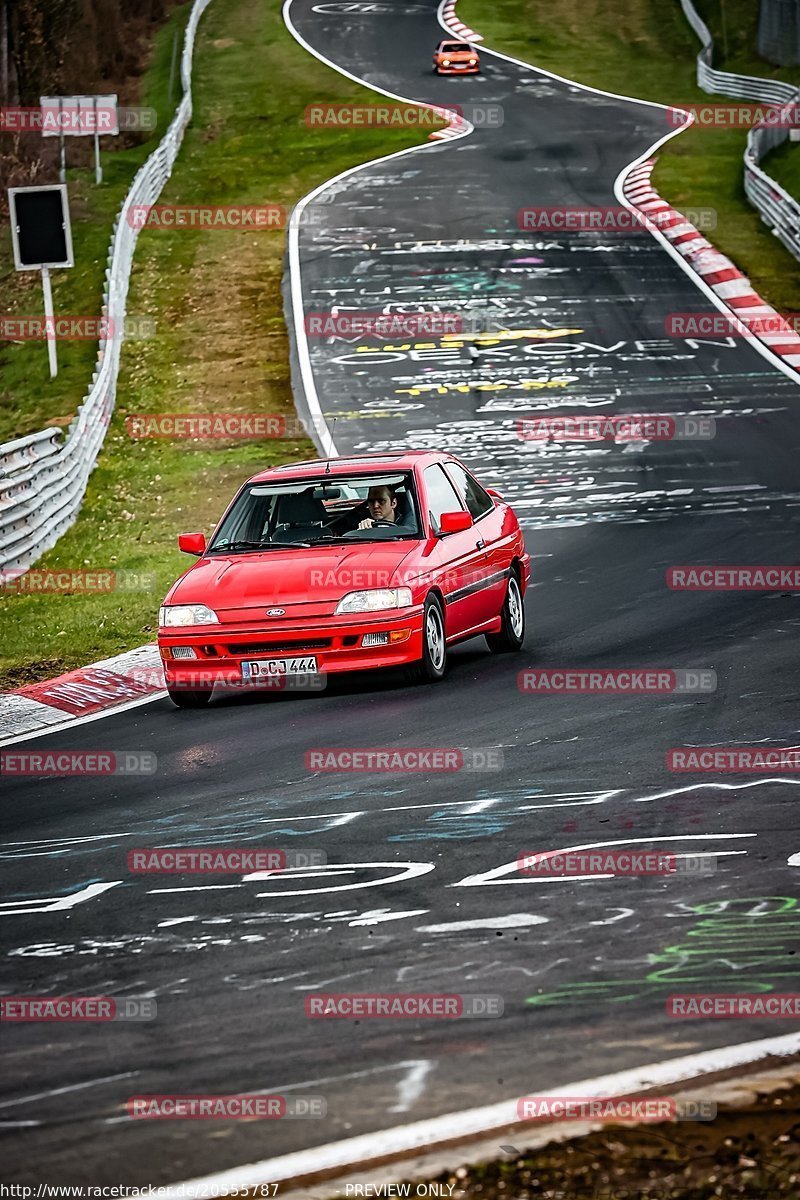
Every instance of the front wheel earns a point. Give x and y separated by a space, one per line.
185 698
512 629
433 664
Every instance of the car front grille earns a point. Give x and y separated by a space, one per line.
242 648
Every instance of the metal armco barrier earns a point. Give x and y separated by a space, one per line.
778 210
43 480
779 31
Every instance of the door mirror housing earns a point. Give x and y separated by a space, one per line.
455 522
493 493
192 543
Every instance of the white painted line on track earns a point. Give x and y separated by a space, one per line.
494 876
335 1158
757 345
295 276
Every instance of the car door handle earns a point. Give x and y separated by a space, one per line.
480 544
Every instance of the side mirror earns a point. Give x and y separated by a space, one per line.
192 543
493 493
455 522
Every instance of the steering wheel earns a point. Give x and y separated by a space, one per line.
380 524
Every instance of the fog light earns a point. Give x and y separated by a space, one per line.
375 639
183 652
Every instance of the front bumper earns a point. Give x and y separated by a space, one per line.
453 70
335 642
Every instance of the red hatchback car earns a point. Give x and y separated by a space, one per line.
347 565
456 58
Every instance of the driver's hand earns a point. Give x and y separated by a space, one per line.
367 523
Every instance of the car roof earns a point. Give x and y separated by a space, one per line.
364 464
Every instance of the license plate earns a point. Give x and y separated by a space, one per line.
260 668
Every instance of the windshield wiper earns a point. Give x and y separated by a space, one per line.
236 547
330 538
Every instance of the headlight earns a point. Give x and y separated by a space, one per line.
445 62
376 600
187 614
473 62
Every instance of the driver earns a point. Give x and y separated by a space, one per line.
382 505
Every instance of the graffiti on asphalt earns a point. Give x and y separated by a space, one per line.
743 942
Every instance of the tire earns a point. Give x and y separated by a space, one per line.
512 615
185 698
432 666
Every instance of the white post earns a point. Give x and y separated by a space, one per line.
62 172
49 317
98 170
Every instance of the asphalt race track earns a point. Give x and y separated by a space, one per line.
414 899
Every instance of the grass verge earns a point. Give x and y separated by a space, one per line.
29 398
647 49
221 341
744 1153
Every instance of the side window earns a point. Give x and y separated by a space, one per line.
441 495
475 498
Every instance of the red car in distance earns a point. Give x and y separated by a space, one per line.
344 565
456 58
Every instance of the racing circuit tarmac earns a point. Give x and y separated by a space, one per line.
584 967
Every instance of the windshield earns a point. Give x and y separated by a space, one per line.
318 511
451 47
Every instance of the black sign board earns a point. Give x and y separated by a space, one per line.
40 227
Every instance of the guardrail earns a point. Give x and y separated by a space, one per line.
778 210
43 480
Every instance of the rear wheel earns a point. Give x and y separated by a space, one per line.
184 698
433 664
512 629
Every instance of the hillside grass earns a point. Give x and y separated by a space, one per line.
221 341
